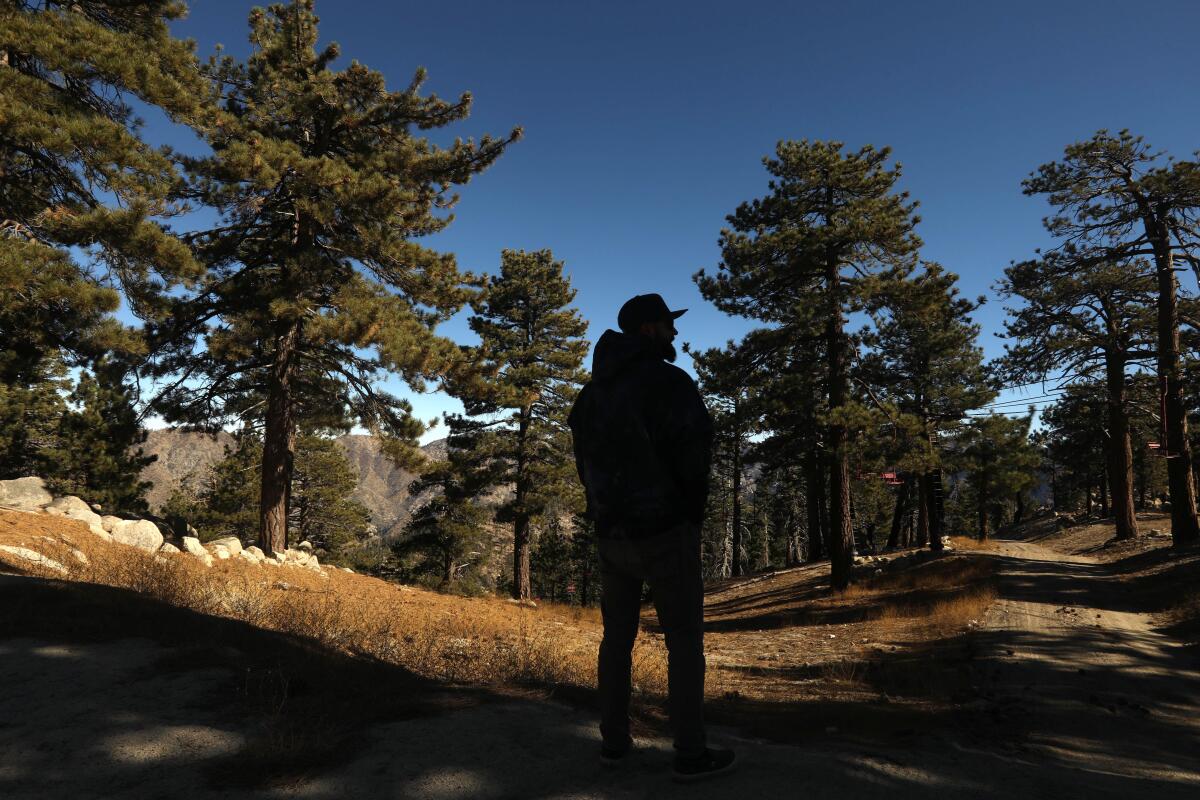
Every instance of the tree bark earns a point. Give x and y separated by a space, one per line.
984 499
1103 495
1184 526
278 439
815 500
922 511
521 580
1120 451
841 533
736 545
898 514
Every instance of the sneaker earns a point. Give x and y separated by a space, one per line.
708 765
612 756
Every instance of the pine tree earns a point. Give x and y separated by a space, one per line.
532 349
447 534
1080 314
1075 440
314 287
727 378
926 367
1117 199
322 510
321 507
74 173
999 463
31 411
804 256
101 459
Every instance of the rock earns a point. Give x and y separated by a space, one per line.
97 507
108 521
246 555
255 551
139 533
347 569
305 546
74 508
230 543
32 555
192 545
220 553
27 494
168 548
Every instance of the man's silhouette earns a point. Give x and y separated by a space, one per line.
643 441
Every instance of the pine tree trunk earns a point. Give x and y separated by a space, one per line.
898 515
922 512
841 534
278 439
815 501
1184 526
521 579
1103 495
937 511
1118 447
1020 513
1087 503
736 539
984 500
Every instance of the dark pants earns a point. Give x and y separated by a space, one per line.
670 563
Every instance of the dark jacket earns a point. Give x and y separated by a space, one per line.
643 440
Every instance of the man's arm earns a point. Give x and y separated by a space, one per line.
689 434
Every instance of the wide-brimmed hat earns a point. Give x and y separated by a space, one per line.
645 308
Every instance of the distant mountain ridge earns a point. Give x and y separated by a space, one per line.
185 456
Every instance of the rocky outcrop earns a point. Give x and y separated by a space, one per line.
137 532
25 494
33 556
30 495
192 545
75 508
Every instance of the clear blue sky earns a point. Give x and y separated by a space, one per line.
646 122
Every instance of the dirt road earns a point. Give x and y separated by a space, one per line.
1074 695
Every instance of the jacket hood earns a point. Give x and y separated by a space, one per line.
617 350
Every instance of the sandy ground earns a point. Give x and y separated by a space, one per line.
1074 694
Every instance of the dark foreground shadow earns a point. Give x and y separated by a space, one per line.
203 707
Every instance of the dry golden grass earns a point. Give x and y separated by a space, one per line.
482 641
779 637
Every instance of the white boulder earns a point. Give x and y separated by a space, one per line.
305 546
139 533
192 545
27 494
230 543
32 555
74 508
108 521
168 548
219 553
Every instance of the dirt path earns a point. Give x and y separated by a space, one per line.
1075 695
1076 677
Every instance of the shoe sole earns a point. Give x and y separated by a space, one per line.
683 777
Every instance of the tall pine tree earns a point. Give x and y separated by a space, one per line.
1082 314
532 349
804 256
925 364
1116 197
75 173
314 286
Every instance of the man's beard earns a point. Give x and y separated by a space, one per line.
667 351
